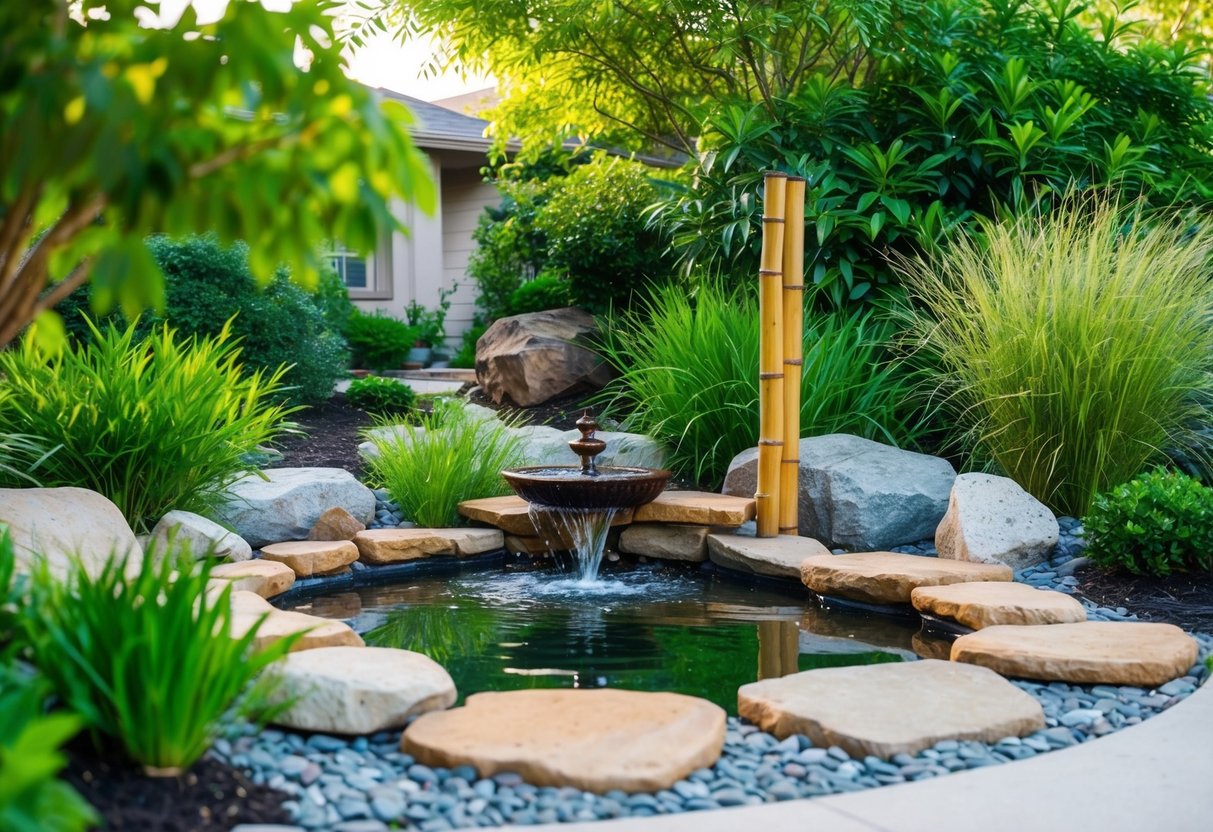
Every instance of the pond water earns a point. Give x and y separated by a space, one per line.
643 627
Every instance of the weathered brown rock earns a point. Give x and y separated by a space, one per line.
380 546
267 578
312 557
1091 652
533 546
701 508
889 577
336 524
359 690
532 358
317 632
668 541
596 740
888 709
979 604
55 524
512 515
777 557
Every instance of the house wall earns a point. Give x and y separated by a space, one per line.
465 196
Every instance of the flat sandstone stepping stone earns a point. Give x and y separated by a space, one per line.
312 557
512 514
889 577
397 545
702 508
1091 652
359 690
888 709
267 578
979 604
777 557
318 632
668 541
595 740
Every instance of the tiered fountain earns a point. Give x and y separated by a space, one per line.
582 501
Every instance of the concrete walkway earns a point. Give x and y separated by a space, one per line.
1154 777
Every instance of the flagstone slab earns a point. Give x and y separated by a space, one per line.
312 557
512 515
979 604
888 709
776 557
597 740
702 508
668 541
317 632
1140 654
267 578
358 690
379 546
889 577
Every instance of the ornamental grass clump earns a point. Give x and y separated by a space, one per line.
154 424
1074 348
688 376
146 657
448 457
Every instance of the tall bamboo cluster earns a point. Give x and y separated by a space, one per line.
781 334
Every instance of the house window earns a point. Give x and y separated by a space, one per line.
355 271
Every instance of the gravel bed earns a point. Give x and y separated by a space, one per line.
366 784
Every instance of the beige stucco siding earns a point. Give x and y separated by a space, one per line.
464 197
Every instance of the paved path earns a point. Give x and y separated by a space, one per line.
1154 777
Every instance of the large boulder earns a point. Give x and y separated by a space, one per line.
286 504
533 358
186 530
858 494
992 520
55 524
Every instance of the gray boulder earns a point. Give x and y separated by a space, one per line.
533 358
288 503
992 520
186 529
857 494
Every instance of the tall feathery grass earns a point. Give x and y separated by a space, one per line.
1075 348
153 423
688 375
448 457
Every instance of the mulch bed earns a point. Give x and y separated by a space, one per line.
1185 600
330 437
210 796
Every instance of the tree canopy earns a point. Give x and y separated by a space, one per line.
113 128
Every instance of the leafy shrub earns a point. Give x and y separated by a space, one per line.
964 109
688 370
466 357
1155 524
379 341
547 291
449 457
510 248
145 656
154 424
379 395
1073 348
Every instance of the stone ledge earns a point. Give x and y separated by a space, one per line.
380 546
701 508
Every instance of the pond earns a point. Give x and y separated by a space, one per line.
644 627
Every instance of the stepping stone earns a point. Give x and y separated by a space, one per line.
666 541
359 690
992 520
312 557
597 740
979 604
380 546
888 577
317 632
267 578
776 557
889 709
702 508
336 524
1091 652
512 514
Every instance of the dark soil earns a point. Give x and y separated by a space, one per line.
561 414
330 437
210 796
1185 600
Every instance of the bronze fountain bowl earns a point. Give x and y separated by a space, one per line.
567 487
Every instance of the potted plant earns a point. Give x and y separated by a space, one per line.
430 326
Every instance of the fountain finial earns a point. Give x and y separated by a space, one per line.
587 447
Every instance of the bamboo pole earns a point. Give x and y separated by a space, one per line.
793 354
770 361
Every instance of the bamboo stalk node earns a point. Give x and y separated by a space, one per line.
769 376
794 287
795 362
769 272
771 442
774 219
